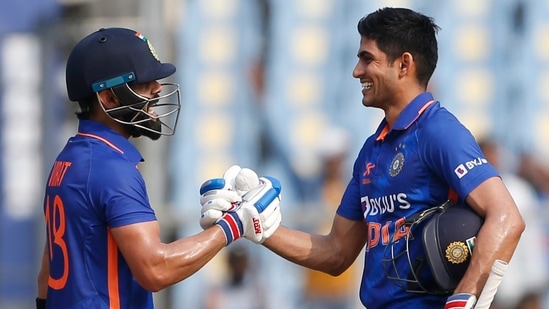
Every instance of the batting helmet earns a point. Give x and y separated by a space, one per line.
115 58
447 234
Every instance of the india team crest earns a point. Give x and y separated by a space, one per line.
457 252
396 164
149 44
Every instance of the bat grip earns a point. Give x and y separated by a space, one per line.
490 288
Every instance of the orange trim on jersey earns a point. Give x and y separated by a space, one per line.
387 129
112 269
383 133
101 139
420 111
425 107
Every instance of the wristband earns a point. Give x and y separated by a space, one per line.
232 226
461 301
40 303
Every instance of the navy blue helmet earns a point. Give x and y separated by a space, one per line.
447 233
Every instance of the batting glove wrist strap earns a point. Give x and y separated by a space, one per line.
231 225
461 301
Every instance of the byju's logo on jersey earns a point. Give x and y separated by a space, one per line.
374 206
464 168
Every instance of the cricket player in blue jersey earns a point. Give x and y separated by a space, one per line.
103 246
419 157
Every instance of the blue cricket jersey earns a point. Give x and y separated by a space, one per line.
427 156
94 186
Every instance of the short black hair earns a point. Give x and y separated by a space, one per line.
400 30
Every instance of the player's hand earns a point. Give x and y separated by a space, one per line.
219 195
257 216
461 301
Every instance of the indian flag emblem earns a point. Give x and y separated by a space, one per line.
151 48
141 37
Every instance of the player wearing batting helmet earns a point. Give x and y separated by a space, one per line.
103 247
419 157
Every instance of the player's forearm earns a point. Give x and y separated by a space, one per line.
497 239
43 275
42 286
308 250
180 259
190 254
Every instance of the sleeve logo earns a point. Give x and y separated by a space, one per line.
464 168
460 171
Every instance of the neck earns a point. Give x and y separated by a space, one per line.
400 101
104 119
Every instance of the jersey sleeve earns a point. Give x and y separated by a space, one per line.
350 206
121 195
452 153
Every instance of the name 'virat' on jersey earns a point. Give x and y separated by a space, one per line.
93 187
427 155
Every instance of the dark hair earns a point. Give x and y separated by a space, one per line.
400 30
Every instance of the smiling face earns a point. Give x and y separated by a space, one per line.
379 77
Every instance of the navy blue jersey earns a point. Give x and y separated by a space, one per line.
425 158
94 186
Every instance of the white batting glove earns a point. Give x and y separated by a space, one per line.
268 208
257 216
219 195
270 218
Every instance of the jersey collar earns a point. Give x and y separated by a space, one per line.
110 137
409 115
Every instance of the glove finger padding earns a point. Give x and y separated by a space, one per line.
245 180
221 187
228 195
270 209
230 175
225 183
263 195
236 182
213 210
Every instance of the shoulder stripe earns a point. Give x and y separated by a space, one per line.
101 139
421 110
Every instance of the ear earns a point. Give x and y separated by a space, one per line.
108 99
406 63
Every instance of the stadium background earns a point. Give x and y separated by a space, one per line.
262 83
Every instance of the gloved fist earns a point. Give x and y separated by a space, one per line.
461 301
258 215
219 195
